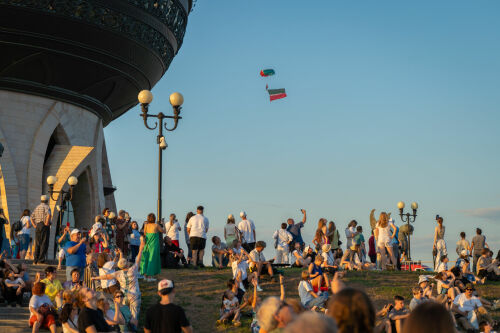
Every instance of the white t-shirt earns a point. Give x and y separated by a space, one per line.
230 304
257 256
128 279
172 230
241 267
230 229
37 301
300 253
107 268
442 267
328 258
26 221
304 292
284 237
198 226
467 304
384 235
247 228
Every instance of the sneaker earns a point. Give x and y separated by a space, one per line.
259 288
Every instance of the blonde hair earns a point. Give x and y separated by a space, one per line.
383 220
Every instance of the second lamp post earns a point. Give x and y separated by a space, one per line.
145 98
408 218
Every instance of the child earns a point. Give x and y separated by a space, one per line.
398 314
230 308
135 240
61 242
359 240
308 298
443 265
14 243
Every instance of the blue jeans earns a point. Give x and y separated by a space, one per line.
70 268
134 250
318 301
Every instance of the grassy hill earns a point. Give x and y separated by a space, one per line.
199 292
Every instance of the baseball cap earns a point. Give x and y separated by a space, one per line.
243 214
74 231
423 278
165 286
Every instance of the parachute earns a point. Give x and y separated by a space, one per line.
267 72
275 94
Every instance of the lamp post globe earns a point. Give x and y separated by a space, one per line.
72 181
145 97
401 205
414 205
51 180
176 99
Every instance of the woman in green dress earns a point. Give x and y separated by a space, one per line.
150 261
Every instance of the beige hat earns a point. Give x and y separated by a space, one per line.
44 198
326 248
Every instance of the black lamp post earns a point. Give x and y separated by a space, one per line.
64 196
176 99
408 218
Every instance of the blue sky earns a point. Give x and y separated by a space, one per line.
387 101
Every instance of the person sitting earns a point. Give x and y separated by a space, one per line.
298 259
107 266
397 315
91 319
53 287
42 312
328 264
113 317
229 309
258 262
239 268
426 286
75 283
69 318
309 299
418 298
316 275
347 261
486 327
465 306
443 263
129 323
220 254
352 310
446 286
309 253
172 254
486 268
14 288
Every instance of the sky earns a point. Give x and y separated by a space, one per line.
387 101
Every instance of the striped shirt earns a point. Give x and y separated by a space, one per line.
40 212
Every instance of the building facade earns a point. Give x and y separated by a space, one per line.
67 69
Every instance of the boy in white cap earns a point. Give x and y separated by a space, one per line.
41 217
247 229
165 316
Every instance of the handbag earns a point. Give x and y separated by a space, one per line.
338 237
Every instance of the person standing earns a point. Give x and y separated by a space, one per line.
186 237
197 229
477 246
150 261
439 245
109 228
122 230
294 229
230 230
350 232
283 239
172 229
333 236
384 233
395 245
462 244
41 217
247 229
4 241
372 252
75 253
135 240
165 316
24 233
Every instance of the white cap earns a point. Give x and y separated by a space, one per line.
243 214
44 198
74 231
164 284
422 278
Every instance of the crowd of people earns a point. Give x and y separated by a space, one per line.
104 264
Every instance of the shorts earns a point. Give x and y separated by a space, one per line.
48 321
24 242
62 254
245 283
197 243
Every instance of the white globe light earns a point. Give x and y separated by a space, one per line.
72 181
414 205
51 180
145 97
401 205
176 99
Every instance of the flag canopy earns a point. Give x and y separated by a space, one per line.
267 72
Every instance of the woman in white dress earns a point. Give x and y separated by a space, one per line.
439 245
384 233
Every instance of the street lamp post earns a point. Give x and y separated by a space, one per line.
176 99
64 196
408 218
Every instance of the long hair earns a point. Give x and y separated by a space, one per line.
188 216
26 212
231 220
321 223
353 311
151 218
383 221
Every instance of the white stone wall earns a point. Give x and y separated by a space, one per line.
26 125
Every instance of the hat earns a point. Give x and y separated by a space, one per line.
74 231
122 263
243 214
44 198
422 278
326 248
164 284
230 216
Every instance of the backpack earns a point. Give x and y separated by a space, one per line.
17 226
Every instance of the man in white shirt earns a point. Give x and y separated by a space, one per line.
197 229
464 307
283 239
172 229
247 230
257 261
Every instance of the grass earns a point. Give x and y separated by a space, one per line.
199 292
